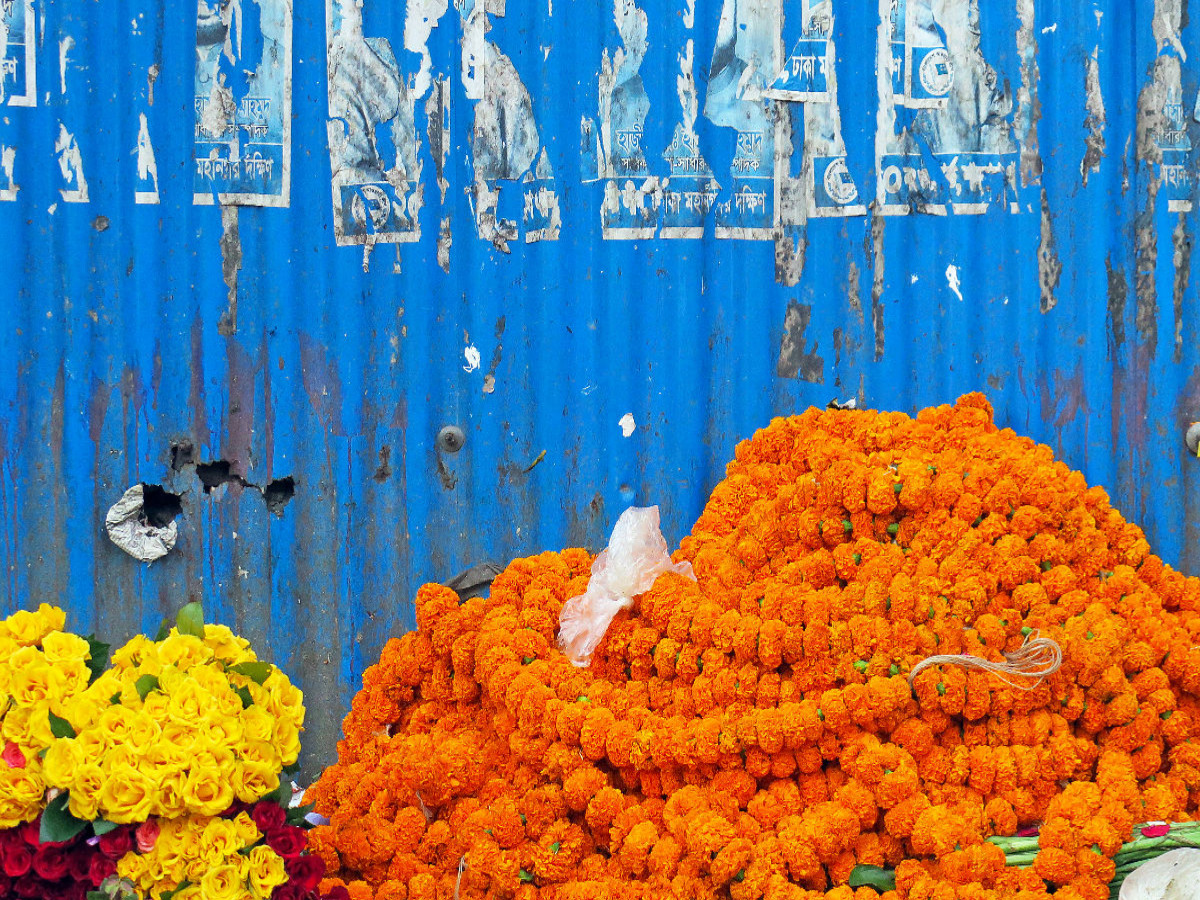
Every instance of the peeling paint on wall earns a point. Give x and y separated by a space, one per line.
8 184
243 103
1096 118
70 165
877 270
147 168
796 358
1049 266
1181 259
1162 140
65 45
1029 108
18 53
231 264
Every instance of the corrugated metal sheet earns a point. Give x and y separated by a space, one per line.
142 341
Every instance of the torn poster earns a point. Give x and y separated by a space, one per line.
745 61
372 132
689 194
629 210
808 77
243 102
18 54
505 142
941 102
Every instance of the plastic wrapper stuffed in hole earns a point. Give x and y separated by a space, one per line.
636 555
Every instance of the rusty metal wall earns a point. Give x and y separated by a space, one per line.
260 257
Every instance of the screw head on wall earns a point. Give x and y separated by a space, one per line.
1192 438
451 439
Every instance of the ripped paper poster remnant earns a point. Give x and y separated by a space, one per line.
243 103
129 529
18 53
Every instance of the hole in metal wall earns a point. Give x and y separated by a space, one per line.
159 506
279 493
214 474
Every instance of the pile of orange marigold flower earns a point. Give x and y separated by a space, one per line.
754 734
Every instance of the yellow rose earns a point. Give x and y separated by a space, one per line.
266 871
220 841
21 790
136 650
183 651
92 746
169 801
258 724
207 790
127 795
188 703
114 725
143 730
62 760
123 756
252 781
223 882
179 736
247 832
60 646
157 705
226 645
28 628
16 724
287 741
260 752
221 731
89 781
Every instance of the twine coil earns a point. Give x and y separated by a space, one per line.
1036 658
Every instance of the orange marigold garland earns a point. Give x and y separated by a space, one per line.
753 734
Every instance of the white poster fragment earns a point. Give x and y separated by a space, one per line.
243 103
18 54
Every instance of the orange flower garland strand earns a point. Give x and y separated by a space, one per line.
753 734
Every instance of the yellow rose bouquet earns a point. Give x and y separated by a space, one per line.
42 670
188 723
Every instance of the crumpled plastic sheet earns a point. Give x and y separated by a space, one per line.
1173 876
635 557
128 529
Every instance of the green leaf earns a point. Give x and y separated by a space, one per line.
163 631
97 656
258 672
873 877
115 699
57 822
60 727
183 885
525 876
191 620
861 665
244 694
145 685
554 848
296 815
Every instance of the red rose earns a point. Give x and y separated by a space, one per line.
287 841
16 860
268 816
100 868
305 872
287 892
13 756
51 863
337 892
81 858
116 843
30 832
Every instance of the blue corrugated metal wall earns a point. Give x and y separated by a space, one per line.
132 331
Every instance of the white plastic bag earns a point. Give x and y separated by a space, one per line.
636 556
1173 876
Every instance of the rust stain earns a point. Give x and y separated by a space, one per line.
1049 265
796 358
196 400
1145 274
322 384
239 416
1118 292
877 267
231 264
1181 258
